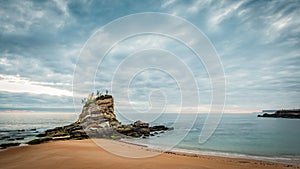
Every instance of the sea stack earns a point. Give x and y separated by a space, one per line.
98 120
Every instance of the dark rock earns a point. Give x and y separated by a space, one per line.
115 123
158 128
20 138
5 145
144 131
4 137
41 135
140 124
295 114
134 134
79 134
39 140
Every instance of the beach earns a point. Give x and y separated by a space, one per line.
84 154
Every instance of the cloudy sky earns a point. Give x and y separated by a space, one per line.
257 43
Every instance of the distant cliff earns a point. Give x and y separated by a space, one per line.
295 114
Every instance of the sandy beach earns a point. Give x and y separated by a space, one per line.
83 154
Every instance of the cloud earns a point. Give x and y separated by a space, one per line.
184 8
257 42
63 6
220 13
20 17
17 84
36 102
167 3
4 62
281 21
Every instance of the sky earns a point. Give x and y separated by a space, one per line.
257 43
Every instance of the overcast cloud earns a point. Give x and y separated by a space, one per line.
257 42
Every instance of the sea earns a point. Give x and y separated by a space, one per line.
237 135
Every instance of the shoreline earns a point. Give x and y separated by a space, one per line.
59 151
288 160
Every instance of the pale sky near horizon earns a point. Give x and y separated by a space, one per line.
257 42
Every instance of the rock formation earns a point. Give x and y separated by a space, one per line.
295 114
97 120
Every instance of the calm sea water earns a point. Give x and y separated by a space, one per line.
237 135
24 126
242 135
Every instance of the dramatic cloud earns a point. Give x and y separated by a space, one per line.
257 41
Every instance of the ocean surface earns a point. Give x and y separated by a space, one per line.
23 126
237 135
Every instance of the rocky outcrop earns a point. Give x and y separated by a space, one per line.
137 129
97 120
71 131
294 114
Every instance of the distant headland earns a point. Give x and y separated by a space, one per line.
293 114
